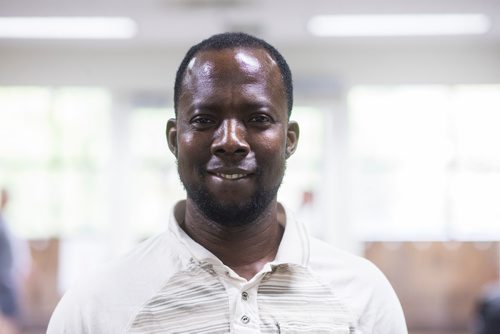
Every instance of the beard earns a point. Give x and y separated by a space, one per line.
229 214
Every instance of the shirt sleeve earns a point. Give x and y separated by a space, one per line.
68 317
384 313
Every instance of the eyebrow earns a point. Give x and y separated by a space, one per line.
244 107
207 104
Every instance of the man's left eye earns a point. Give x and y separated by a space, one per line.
202 120
261 119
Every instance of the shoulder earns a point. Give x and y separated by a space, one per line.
105 300
348 274
361 285
329 259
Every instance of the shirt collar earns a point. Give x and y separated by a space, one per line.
293 249
294 246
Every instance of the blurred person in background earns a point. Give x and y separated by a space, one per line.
9 307
487 316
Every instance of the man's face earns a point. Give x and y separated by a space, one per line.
232 134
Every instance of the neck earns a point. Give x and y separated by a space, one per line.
245 249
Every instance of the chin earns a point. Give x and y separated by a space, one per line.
231 214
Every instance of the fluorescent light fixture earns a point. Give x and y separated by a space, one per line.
67 27
399 25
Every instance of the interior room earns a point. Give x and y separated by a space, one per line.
398 159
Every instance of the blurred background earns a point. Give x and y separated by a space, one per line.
398 159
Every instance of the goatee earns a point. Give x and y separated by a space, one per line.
234 214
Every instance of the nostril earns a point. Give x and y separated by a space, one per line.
239 148
230 139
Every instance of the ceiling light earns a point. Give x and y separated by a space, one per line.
399 25
67 27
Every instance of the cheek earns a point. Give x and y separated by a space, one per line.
274 141
185 140
192 150
272 148
191 142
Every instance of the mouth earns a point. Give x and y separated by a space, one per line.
235 176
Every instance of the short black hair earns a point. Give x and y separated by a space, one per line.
232 40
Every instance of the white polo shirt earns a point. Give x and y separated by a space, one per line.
171 284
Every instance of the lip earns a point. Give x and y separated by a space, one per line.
231 174
231 177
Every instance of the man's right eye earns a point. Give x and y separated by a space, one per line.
202 121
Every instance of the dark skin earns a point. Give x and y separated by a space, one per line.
232 137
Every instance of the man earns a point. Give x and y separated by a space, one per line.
233 259
9 309
487 311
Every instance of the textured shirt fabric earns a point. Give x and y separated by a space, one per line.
171 284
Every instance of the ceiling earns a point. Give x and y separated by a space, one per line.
178 23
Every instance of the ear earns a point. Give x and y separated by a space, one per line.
292 138
172 135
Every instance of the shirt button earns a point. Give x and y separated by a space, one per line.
245 319
244 295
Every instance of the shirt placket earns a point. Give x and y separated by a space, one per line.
244 313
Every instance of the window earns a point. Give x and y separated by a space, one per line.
53 153
425 162
155 183
304 168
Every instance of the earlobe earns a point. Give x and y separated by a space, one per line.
172 135
292 138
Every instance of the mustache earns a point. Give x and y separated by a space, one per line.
253 168
249 165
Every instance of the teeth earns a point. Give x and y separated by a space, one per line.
231 176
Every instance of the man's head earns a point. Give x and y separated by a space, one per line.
231 135
230 41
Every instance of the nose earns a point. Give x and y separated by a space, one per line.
230 139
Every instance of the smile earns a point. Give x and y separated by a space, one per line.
230 176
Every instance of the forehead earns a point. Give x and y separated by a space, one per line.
231 64
247 75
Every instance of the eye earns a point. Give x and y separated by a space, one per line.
261 119
202 121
